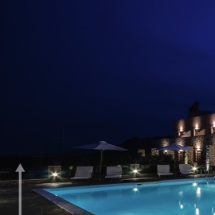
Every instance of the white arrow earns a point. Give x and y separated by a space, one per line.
20 170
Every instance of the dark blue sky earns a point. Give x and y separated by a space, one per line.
101 70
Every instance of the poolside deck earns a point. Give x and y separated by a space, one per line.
35 204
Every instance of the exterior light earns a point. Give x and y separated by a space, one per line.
197 127
194 168
54 174
135 171
181 129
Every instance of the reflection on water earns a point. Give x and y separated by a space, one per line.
135 189
198 192
194 184
197 211
181 205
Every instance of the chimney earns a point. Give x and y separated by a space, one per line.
193 110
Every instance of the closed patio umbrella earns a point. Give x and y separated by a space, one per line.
102 146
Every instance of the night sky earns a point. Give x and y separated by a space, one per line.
77 72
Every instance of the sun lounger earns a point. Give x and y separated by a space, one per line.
113 172
186 169
163 170
83 172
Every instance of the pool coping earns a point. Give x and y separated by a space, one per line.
67 206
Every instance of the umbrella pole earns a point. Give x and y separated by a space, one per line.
100 166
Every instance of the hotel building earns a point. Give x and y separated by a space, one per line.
197 130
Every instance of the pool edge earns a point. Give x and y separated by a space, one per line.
67 206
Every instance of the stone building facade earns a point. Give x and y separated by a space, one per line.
198 132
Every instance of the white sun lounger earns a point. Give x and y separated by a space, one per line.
113 172
186 169
163 170
83 172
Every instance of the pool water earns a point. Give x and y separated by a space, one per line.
178 197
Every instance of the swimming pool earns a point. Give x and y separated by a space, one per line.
178 197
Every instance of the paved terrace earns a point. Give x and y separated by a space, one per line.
35 204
